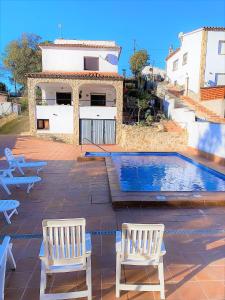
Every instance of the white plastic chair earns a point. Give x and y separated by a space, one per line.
140 244
19 162
9 208
6 179
5 252
65 248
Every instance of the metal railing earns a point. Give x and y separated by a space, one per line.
94 145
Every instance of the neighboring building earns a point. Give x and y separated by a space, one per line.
81 92
3 97
154 73
198 65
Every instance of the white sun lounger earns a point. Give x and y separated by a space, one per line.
6 178
5 253
19 162
9 208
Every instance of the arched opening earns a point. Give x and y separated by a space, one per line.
54 93
54 108
97 95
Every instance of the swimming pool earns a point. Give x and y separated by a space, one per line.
146 172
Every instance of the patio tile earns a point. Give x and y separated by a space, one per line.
191 291
214 290
193 264
13 293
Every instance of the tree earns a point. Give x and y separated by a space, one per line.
3 87
138 61
142 103
21 57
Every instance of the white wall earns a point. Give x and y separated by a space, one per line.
72 59
183 116
217 106
6 108
192 45
215 63
95 112
207 137
60 118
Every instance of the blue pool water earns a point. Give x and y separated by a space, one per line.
163 172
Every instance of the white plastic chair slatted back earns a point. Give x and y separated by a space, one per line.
9 156
64 241
3 258
142 241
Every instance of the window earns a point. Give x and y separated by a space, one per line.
184 59
175 65
221 48
220 78
63 98
43 124
98 99
91 63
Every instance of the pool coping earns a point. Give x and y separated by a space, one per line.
179 199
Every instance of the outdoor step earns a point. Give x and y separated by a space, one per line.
201 110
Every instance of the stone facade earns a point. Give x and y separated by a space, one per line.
203 60
135 138
75 85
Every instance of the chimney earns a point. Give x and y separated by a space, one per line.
171 49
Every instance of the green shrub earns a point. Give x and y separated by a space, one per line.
24 104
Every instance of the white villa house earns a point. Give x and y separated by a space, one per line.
198 65
81 92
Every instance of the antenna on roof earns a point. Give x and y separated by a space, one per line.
134 46
60 30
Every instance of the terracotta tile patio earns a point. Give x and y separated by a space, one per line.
195 260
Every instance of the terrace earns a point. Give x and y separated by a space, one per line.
194 238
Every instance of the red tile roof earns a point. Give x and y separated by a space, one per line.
208 28
76 75
171 54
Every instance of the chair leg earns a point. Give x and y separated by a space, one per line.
88 278
43 281
118 275
20 170
161 279
30 185
7 217
6 188
11 258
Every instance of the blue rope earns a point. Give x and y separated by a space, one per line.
113 232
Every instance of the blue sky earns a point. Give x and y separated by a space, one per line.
154 24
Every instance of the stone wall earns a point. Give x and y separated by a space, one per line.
7 119
60 137
137 138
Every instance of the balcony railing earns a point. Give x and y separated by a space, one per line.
82 103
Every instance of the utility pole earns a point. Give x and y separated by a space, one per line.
134 45
60 30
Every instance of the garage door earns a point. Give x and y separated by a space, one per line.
97 131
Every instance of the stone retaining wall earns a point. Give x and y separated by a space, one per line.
60 137
135 138
7 119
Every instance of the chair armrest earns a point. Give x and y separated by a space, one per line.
20 158
88 242
163 249
41 252
118 241
6 172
